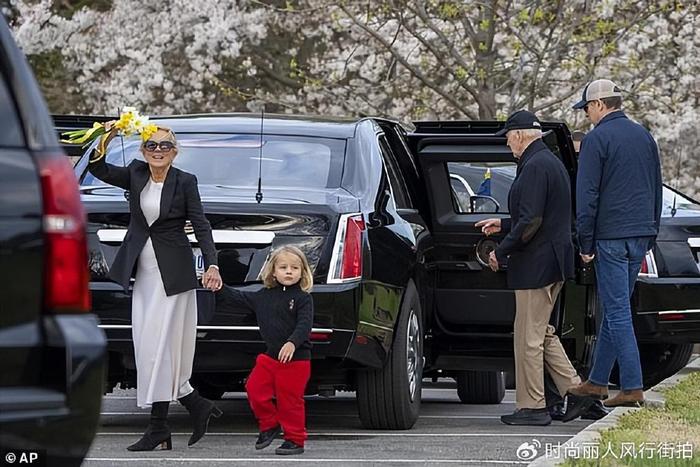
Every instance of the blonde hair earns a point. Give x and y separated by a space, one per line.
306 280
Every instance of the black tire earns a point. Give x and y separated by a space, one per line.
510 379
659 361
384 397
480 387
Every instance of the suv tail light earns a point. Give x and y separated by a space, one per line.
65 265
346 262
648 268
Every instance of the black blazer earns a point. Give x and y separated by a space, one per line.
538 243
179 202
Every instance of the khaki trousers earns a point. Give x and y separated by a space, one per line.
536 347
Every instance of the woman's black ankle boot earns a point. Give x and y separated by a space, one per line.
157 434
201 410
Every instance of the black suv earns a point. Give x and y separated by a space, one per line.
386 217
52 354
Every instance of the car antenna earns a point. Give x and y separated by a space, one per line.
676 181
259 194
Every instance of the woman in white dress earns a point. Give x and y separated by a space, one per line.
164 306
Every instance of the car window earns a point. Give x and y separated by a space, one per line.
11 134
233 160
481 186
398 186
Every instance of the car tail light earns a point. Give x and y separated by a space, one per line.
346 262
320 336
671 316
66 273
648 268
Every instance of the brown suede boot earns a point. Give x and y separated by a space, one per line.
633 398
588 389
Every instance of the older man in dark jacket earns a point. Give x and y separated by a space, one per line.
540 255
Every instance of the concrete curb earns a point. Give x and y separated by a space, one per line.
653 399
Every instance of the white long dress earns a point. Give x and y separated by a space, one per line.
164 328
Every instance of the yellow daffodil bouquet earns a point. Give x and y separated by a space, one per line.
130 123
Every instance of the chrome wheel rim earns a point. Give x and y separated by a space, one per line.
413 354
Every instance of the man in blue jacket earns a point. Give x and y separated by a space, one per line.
540 256
618 209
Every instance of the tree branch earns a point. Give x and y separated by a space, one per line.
415 71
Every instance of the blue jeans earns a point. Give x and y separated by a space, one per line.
617 266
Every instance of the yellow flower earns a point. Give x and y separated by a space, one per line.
130 122
148 131
124 122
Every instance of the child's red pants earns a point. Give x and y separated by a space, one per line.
285 382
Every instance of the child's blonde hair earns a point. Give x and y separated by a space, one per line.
306 281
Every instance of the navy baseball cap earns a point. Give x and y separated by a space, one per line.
520 120
598 89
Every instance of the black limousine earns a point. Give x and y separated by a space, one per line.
386 217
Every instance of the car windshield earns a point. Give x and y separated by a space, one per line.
684 205
234 159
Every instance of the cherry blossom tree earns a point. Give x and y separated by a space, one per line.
162 56
409 59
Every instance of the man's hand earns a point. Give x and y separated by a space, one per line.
489 226
587 258
286 352
211 279
493 261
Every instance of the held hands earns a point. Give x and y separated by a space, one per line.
211 279
587 258
493 261
286 352
489 226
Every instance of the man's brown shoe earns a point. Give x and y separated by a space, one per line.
633 398
589 389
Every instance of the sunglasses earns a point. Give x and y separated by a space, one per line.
163 145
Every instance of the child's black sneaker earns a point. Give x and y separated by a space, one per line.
265 438
288 448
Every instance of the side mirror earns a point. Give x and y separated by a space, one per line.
482 203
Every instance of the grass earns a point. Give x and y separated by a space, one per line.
663 435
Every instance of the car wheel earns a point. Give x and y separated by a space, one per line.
510 379
389 398
659 361
480 387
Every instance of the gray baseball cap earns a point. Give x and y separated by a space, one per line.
598 89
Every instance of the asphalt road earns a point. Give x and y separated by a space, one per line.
447 433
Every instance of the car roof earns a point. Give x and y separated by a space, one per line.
250 123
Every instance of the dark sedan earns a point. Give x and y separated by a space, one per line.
386 218
324 189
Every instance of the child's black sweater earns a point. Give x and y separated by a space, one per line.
284 314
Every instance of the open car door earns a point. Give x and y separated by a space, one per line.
468 173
